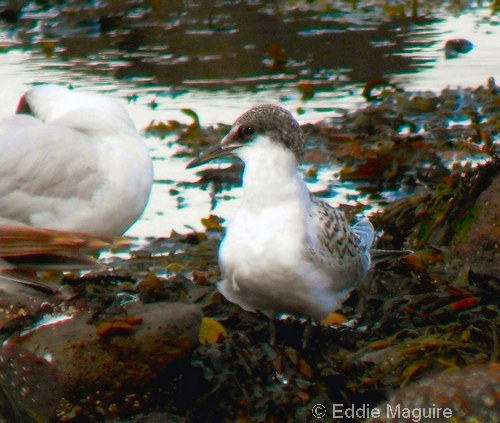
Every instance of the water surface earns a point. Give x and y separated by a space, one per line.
220 58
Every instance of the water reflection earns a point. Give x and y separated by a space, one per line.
220 58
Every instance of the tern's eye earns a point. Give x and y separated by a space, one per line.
246 131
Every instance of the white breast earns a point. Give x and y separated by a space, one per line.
264 257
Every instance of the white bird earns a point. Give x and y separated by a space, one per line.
72 161
284 252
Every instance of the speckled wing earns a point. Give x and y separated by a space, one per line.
340 250
44 168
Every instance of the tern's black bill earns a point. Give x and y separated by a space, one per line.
211 154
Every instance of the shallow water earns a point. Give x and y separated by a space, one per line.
222 61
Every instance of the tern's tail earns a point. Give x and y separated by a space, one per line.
379 256
365 232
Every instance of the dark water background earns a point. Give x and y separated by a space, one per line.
219 58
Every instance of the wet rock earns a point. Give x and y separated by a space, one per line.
29 388
468 394
156 417
18 311
445 216
106 361
479 243
457 46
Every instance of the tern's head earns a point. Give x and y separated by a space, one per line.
266 120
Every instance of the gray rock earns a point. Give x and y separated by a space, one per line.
107 361
470 394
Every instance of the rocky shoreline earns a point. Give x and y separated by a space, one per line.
150 339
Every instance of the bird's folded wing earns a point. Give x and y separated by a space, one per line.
24 249
333 234
28 247
335 247
44 167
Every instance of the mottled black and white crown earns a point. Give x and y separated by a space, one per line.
266 120
274 122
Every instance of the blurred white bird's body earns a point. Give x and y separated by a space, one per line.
72 161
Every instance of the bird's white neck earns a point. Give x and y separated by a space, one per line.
270 176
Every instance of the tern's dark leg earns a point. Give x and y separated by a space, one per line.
307 333
272 331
